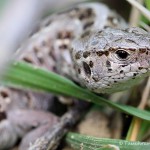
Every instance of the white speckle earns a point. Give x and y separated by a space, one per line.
115 21
72 136
143 70
114 146
129 74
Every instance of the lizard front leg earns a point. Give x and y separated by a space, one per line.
30 124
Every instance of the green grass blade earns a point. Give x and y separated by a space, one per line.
147 3
78 141
144 130
23 75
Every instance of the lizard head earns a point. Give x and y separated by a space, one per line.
112 60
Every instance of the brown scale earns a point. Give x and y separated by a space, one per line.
95 79
91 64
99 53
3 115
63 46
78 55
87 69
86 54
85 14
106 53
86 33
64 35
132 49
79 70
88 24
108 64
140 68
142 50
28 60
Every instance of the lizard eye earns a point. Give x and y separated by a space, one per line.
122 54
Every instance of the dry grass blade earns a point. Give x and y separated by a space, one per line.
135 15
145 26
136 121
134 20
145 95
142 9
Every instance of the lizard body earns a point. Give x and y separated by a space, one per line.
89 44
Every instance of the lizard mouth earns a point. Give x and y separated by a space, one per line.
116 82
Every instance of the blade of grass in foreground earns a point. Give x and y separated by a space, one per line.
23 75
84 142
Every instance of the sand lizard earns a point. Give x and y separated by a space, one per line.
89 44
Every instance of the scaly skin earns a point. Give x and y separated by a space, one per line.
84 45
112 60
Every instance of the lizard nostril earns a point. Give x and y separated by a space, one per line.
4 94
87 69
2 116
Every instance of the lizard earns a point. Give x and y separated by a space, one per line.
90 44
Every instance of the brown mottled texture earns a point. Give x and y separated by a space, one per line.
117 62
89 44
